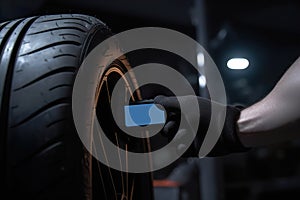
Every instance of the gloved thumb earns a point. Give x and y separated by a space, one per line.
169 103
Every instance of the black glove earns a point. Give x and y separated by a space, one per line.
227 143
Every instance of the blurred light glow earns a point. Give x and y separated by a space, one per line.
200 59
222 34
202 81
237 63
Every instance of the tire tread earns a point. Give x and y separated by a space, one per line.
39 130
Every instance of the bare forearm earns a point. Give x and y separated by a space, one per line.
276 117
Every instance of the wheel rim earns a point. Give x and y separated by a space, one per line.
108 183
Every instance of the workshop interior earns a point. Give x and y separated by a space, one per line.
251 42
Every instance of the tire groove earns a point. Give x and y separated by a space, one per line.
43 149
3 43
66 69
69 34
66 18
16 38
52 45
4 108
58 28
59 86
75 23
48 147
65 54
55 122
53 104
3 25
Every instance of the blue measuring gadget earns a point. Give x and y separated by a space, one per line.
143 113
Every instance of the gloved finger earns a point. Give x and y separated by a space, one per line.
169 103
171 115
169 129
180 146
180 134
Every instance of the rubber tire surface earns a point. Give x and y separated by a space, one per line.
41 155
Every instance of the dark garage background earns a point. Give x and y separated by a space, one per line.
265 32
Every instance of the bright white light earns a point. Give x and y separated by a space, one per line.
237 63
202 81
200 59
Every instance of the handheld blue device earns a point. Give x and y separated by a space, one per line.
143 113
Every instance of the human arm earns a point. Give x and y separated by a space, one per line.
276 117
273 119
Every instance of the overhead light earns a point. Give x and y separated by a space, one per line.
238 63
200 59
202 81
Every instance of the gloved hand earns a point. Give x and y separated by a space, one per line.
227 143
